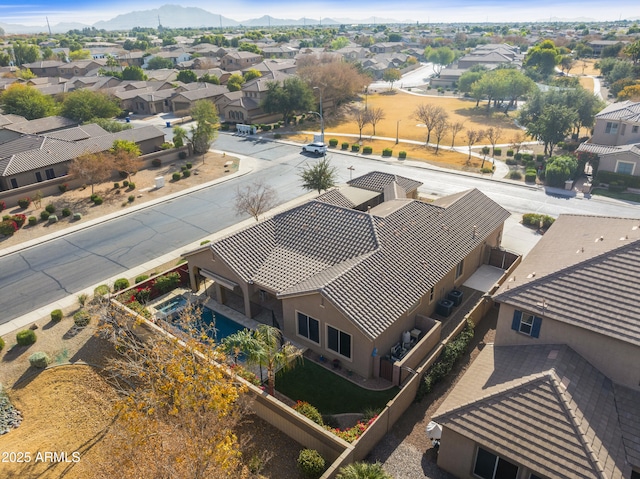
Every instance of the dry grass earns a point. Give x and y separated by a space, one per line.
587 83
585 67
400 105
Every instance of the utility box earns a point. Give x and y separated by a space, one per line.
159 182
568 184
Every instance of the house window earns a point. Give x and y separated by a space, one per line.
339 341
308 328
634 129
459 269
611 128
526 323
432 292
50 174
14 183
490 466
38 176
624 168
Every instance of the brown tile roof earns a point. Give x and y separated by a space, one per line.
42 125
334 197
372 268
624 110
583 257
377 180
548 409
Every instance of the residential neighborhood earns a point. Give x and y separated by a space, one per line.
320 249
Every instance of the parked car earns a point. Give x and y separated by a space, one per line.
316 148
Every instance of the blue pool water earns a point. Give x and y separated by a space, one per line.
223 326
172 305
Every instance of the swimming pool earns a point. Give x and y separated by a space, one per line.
171 306
222 325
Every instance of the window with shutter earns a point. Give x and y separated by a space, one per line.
526 323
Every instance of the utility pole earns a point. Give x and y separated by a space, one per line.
351 169
48 26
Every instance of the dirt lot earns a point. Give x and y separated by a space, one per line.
78 200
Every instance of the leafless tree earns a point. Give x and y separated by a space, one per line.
361 117
473 137
455 127
376 114
255 199
516 141
92 167
430 115
493 134
439 130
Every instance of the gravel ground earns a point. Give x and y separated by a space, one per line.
406 452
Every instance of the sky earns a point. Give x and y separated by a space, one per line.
425 11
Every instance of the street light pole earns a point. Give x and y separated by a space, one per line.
321 116
397 130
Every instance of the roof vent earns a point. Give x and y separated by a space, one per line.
625 237
599 239
475 230
531 275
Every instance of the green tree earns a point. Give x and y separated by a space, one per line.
467 79
440 57
391 75
251 74
320 176
552 126
82 105
632 50
292 96
560 169
187 76
134 73
249 47
264 347
5 59
112 61
126 156
79 55
158 63
207 78
363 470
112 126
179 135
235 82
338 43
543 58
25 53
205 132
27 101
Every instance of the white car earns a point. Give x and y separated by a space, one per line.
317 148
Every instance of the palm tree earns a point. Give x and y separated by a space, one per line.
264 346
363 470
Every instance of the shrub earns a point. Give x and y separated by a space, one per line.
32 220
182 155
333 142
189 165
6 217
176 176
277 136
24 202
131 198
66 212
621 179
486 169
515 175
1 344
559 169
527 157
63 187
8 227
56 315
44 215
186 173
387 152
530 176
53 219
20 219
402 155
156 162
98 200
310 464
81 318
539 158
3 205
518 156
125 184
485 150
166 283
497 152
224 127
26 337
132 185
355 148
267 127
511 162
367 150
345 145
123 174
100 291
183 168
533 220
509 152
141 278
309 411
142 295
120 284
77 216
39 360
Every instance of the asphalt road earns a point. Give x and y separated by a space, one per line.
45 273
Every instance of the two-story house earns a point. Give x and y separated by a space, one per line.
558 394
616 138
347 283
239 60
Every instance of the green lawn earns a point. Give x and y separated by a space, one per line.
328 392
625 196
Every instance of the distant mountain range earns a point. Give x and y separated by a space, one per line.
176 16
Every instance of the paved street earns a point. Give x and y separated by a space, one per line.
47 272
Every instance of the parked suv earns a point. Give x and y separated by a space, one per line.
317 148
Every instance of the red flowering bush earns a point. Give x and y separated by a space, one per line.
352 433
8 227
24 202
20 220
2 205
309 411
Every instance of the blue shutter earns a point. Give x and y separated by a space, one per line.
517 316
535 329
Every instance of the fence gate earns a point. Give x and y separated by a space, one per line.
386 369
501 258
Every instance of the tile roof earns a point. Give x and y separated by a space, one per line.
583 257
10 118
42 125
372 268
377 180
334 197
624 110
548 409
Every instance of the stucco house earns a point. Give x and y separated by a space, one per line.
616 138
239 60
348 283
558 394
